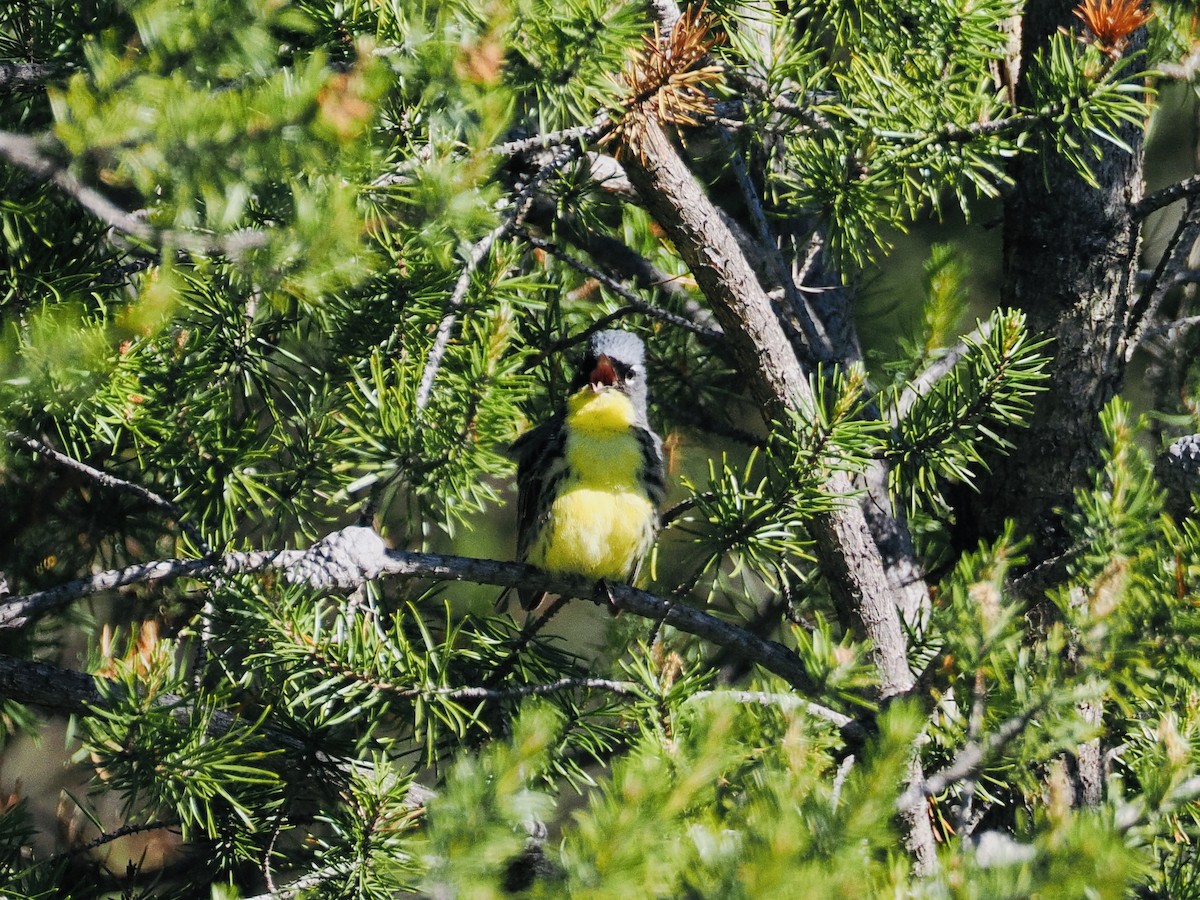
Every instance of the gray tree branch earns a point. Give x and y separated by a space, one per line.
33 155
17 75
849 556
349 558
112 481
1189 187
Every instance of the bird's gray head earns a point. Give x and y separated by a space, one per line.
614 359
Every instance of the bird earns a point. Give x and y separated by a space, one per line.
591 479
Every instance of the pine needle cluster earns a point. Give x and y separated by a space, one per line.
280 282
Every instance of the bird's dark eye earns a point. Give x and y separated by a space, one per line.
626 372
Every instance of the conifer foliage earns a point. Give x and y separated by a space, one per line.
280 281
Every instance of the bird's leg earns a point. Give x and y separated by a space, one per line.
604 592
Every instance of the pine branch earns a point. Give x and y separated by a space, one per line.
852 729
623 261
441 341
929 377
67 692
513 219
635 302
108 837
349 558
30 154
579 134
968 761
112 481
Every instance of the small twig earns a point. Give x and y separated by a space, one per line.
29 153
966 795
1174 260
516 692
581 337
839 780
787 702
269 851
1189 187
308 882
780 103
441 341
815 337
635 302
1170 329
532 628
936 370
668 518
1187 276
581 134
968 761
107 838
112 481
626 263
512 220
16 611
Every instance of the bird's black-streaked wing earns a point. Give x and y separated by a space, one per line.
540 465
654 470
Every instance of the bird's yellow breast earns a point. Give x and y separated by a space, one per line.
602 521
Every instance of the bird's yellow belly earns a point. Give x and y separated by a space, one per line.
599 533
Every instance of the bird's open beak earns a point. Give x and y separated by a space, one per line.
604 375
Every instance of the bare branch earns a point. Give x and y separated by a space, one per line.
815 339
31 154
851 729
1174 261
1189 187
348 558
516 692
624 262
634 301
580 134
937 370
112 481
1171 330
109 836
969 760
441 341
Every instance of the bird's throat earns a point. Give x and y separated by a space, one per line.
599 412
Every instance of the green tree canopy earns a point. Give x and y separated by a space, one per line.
281 281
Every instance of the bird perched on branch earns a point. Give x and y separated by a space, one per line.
591 479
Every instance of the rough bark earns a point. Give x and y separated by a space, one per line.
1070 262
1070 254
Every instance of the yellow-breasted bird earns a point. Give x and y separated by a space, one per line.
591 479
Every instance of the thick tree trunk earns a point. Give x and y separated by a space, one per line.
1070 255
